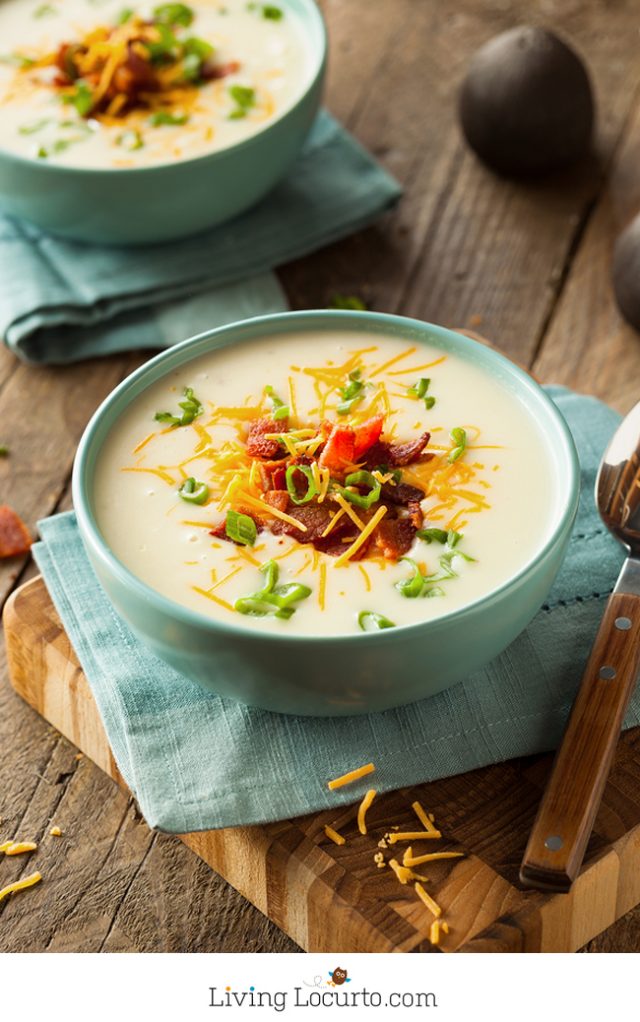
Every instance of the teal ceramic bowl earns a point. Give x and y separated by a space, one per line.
368 671
141 205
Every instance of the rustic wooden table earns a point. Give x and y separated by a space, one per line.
525 264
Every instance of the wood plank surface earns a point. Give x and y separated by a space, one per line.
526 264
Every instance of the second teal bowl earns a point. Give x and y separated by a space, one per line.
171 200
346 674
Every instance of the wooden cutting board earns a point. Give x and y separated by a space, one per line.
330 898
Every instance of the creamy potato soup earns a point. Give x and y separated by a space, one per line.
324 483
105 83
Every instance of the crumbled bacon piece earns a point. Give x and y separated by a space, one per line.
257 444
211 72
339 450
402 494
404 454
279 499
366 435
316 517
394 537
14 535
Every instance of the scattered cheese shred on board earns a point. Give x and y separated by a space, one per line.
20 885
362 811
353 775
425 818
404 874
14 535
55 832
6 845
434 932
414 835
20 847
426 898
334 836
418 860
445 926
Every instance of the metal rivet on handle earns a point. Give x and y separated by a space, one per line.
607 673
554 843
623 624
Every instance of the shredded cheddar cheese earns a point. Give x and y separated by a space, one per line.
256 502
425 818
21 847
334 521
353 775
20 885
404 874
427 900
418 860
55 832
414 835
364 807
322 587
7 844
434 932
334 836
362 538
348 510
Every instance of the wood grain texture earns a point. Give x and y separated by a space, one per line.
564 821
299 879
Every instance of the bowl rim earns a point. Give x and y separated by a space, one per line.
567 484
319 53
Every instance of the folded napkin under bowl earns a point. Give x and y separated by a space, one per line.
368 672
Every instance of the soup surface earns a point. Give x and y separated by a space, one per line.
324 483
101 83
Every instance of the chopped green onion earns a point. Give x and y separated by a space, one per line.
372 622
431 535
352 394
130 140
191 409
312 489
4 451
44 11
194 492
435 591
420 388
361 478
279 409
31 129
459 437
125 15
271 12
166 48
245 99
282 597
173 14
81 98
413 586
419 391
195 52
240 528
164 117
347 302
17 60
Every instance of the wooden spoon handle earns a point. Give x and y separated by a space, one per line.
569 805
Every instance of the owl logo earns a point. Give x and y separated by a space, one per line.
339 976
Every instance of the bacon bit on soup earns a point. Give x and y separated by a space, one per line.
14 535
143 64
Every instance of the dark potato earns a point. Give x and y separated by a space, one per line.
526 105
626 273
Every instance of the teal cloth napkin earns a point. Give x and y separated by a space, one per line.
61 301
195 761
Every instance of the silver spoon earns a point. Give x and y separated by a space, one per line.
569 805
